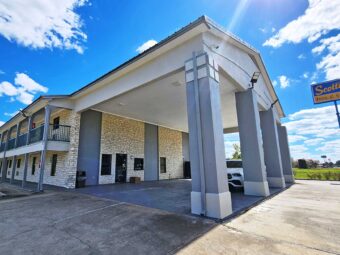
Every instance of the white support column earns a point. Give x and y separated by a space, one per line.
285 155
43 152
271 148
210 194
24 178
254 169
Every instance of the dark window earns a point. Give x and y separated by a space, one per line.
139 164
18 162
56 123
163 165
33 165
106 164
54 164
17 173
234 164
10 163
0 166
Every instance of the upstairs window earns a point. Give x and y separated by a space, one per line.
56 122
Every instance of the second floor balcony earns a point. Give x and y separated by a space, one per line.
60 133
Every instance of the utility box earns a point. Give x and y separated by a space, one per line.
135 180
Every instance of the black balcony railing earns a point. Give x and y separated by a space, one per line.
11 144
59 133
22 139
2 147
36 134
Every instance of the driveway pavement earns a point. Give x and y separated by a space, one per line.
304 219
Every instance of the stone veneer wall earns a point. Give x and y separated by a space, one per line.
66 161
121 135
170 147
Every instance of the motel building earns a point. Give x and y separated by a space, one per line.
168 105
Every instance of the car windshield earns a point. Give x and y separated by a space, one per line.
234 164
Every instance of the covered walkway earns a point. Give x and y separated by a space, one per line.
168 195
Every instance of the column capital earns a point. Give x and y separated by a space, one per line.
204 65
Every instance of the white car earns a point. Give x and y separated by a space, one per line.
235 173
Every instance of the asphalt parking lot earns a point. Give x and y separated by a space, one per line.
304 219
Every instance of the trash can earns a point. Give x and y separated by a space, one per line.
81 179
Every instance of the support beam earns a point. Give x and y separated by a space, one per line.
285 155
4 160
151 153
43 152
210 194
255 177
271 149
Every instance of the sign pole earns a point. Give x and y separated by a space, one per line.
337 112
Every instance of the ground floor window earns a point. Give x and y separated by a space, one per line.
139 164
106 164
9 164
34 159
18 162
54 164
163 165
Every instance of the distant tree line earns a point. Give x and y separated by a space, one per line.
310 163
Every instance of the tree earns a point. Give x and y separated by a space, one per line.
302 163
337 163
237 152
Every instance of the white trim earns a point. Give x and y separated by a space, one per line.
256 188
276 182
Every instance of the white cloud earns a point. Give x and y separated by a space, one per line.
330 64
24 89
274 82
11 114
1 123
2 72
301 56
320 17
296 138
305 75
314 141
43 24
146 46
320 128
284 81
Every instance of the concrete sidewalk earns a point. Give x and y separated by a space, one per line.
304 219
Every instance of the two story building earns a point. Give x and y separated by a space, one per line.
169 105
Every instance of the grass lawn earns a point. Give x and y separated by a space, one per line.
317 174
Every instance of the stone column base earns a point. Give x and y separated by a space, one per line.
217 205
289 178
276 182
256 189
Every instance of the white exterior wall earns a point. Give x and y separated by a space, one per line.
170 147
66 161
126 136
121 135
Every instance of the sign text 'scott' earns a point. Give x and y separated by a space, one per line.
326 92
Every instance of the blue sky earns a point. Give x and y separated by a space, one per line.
57 47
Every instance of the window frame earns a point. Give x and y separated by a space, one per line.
162 165
18 162
34 162
56 123
135 164
102 173
54 162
